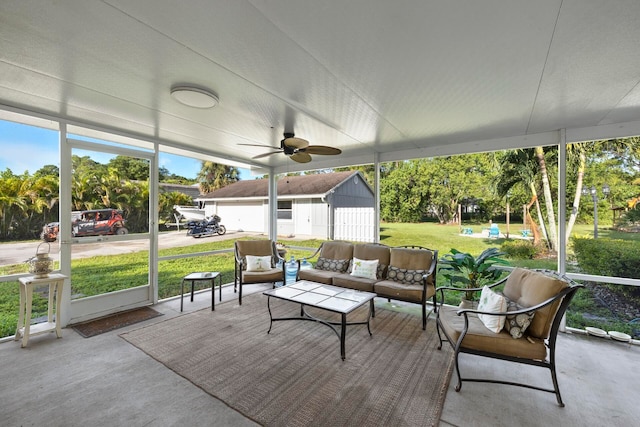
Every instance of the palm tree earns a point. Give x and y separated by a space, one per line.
215 175
520 167
551 217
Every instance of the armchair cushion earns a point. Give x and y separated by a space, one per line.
270 275
492 302
528 288
480 338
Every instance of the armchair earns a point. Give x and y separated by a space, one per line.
263 273
543 293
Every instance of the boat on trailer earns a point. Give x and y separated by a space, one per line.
190 213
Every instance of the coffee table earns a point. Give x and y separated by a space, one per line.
331 298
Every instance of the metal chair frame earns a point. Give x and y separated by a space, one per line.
565 296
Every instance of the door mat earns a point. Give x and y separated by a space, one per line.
115 321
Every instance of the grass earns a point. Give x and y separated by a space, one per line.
102 274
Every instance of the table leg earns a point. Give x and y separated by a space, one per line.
220 278
193 282
213 293
52 287
343 335
181 293
59 287
27 319
21 314
270 315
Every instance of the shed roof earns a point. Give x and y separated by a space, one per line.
190 190
287 186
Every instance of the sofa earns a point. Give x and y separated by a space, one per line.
406 273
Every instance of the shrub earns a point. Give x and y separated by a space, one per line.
608 257
519 249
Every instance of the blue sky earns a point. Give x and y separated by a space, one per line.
28 148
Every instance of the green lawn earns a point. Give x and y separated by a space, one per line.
92 276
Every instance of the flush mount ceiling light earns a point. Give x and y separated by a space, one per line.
194 96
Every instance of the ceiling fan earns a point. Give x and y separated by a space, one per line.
297 149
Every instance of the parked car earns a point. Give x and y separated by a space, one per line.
98 222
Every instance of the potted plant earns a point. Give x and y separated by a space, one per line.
464 270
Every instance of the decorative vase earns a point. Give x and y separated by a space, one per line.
41 264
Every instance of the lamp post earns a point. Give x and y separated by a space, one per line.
594 196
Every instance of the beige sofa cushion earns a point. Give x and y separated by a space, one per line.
346 280
412 259
528 288
397 290
336 250
314 275
369 251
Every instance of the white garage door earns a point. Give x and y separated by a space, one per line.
245 216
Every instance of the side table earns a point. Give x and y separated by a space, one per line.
25 329
194 277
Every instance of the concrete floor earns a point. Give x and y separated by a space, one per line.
104 381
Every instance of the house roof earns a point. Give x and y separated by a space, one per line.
190 190
318 184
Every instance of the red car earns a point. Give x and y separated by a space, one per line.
97 222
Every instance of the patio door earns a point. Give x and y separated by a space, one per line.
106 231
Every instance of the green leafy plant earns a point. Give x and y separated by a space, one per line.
463 270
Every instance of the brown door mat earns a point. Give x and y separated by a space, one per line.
115 321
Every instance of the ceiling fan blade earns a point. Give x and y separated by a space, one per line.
260 145
323 150
259 156
294 142
300 157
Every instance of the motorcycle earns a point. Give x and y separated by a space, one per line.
206 227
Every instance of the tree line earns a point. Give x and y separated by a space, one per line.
471 187
27 202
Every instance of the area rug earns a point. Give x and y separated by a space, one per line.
294 376
115 321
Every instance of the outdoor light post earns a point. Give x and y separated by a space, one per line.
594 196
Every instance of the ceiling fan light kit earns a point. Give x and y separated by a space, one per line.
195 97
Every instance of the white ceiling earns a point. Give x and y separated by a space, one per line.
402 78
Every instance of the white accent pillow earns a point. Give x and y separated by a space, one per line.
364 268
258 263
492 302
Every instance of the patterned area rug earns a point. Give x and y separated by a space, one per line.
115 321
294 376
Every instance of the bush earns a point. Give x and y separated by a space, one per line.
608 257
519 249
